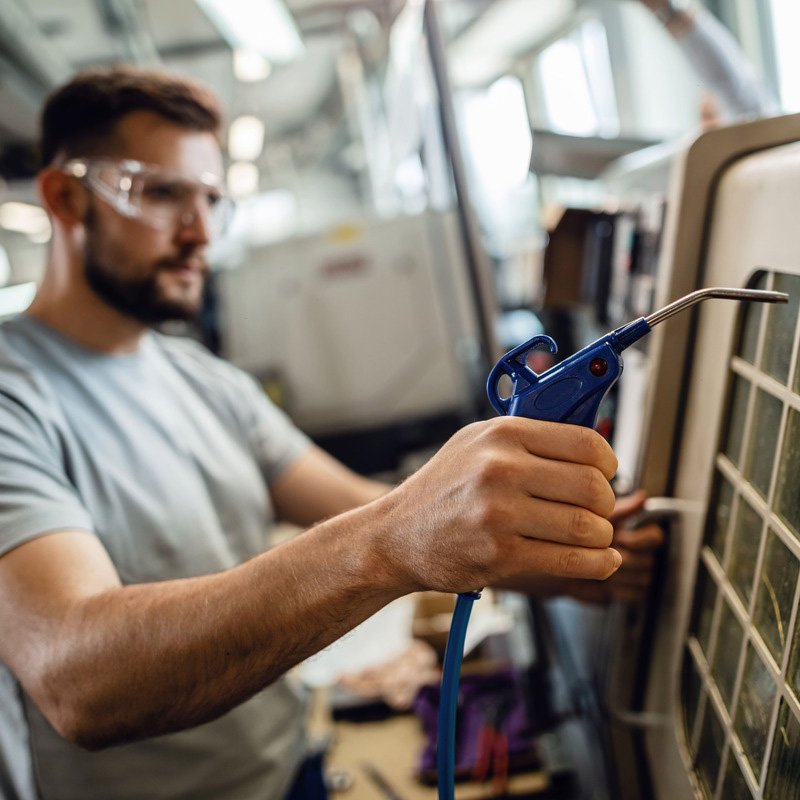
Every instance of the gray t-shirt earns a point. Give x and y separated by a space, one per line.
165 455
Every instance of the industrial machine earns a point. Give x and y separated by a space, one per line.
696 695
364 330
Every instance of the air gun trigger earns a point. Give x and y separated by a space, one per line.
514 364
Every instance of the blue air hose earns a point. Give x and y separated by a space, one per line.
448 700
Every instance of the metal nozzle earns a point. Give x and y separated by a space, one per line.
759 295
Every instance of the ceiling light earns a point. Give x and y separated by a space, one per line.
250 66
265 26
242 179
24 218
245 138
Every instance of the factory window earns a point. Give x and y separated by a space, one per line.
786 19
578 85
741 675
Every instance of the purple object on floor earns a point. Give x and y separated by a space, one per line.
495 699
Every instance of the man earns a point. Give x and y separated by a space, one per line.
139 476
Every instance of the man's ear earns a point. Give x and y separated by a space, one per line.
64 197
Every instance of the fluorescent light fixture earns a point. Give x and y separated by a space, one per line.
250 66
24 218
242 179
246 138
15 299
265 26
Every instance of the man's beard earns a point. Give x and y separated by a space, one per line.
138 298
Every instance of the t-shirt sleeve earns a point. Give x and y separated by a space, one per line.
36 496
267 432
272 436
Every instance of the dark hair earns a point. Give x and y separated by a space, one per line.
79 116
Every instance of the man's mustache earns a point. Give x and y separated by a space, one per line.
190 260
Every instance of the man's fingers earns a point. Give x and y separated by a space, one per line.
562 523
574 484
630 504
560 442
565 561
648 538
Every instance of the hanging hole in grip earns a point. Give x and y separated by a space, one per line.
514 366
505 387
519 362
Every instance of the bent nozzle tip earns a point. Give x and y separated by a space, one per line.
757 295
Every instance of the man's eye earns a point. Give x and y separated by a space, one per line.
212 198
166 191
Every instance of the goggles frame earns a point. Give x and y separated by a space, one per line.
156 196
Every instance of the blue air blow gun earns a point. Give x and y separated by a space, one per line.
569 392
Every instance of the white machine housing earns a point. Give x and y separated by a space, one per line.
362 327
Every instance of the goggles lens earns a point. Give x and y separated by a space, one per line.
157 197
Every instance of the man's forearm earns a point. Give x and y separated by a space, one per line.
149 659
504 499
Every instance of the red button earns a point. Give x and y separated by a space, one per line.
598 367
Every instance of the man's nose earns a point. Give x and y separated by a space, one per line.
194 223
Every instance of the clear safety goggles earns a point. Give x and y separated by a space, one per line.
158 197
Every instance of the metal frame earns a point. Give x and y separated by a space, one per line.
746 615
696 172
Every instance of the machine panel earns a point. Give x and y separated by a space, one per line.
733 591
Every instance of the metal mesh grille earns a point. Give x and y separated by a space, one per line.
741 675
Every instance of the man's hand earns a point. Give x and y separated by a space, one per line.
638 549
504 499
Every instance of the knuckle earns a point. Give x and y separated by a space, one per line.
580 526
606 507
595 450
471 432
572 563
606 534
589 530
496 428
598 491
590 443
491 469
489 516
492 553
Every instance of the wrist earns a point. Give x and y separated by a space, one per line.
382 560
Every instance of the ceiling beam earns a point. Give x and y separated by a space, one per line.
24 45
123 21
